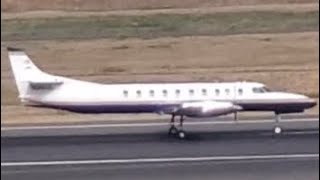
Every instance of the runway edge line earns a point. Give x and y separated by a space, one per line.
159 160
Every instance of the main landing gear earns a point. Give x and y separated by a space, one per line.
277 129
177 130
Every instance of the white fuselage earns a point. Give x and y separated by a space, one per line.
90 97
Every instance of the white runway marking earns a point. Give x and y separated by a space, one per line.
159 160
151 124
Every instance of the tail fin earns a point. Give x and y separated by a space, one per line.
26 73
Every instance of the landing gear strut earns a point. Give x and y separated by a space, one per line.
277 129
174 130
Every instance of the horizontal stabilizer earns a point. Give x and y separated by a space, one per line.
44 85
13 49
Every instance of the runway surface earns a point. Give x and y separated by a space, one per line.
123 127
227 151
256 170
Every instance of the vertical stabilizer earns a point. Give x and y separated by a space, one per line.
24 71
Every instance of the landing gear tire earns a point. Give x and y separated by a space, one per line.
277 130
181 135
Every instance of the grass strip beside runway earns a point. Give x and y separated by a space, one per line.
158 25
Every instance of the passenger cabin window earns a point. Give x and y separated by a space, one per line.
217 92
204 92
177 92
151 92
191 92
165 93
138 93
240 91
125 93
227 91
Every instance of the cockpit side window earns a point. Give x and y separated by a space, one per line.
266 89
257 90
260 90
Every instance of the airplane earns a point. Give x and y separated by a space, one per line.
37 88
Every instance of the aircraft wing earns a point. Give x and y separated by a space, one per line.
204 108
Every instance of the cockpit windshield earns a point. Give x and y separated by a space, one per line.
260 90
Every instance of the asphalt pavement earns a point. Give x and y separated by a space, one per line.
247 150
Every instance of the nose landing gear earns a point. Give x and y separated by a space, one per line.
277 129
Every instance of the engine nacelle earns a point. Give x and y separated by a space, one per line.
208 108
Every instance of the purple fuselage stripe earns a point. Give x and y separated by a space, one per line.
149 108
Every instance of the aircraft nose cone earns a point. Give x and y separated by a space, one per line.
303 101
311 102
307 102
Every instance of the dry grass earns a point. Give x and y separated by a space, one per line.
207 10
107 5
158 25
